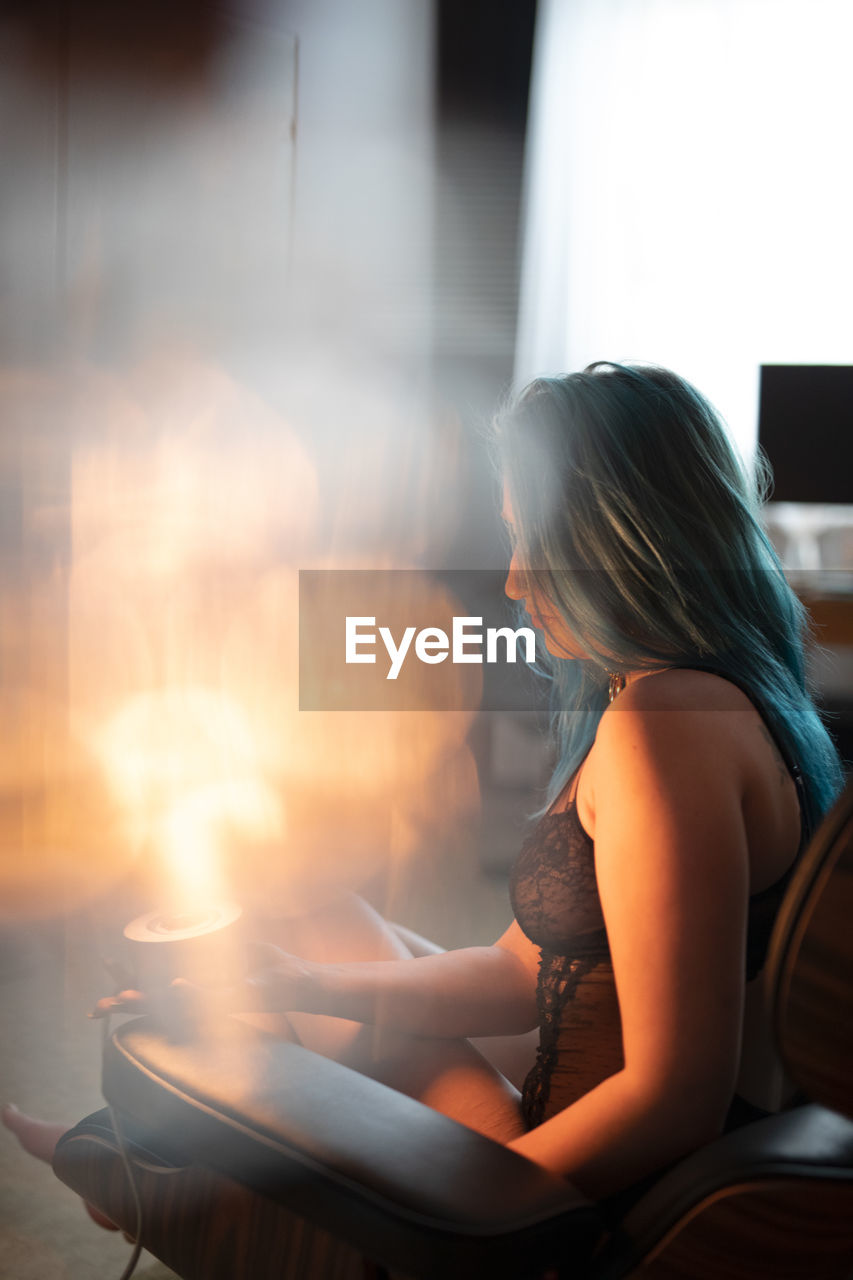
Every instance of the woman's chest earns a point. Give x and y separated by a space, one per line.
553 887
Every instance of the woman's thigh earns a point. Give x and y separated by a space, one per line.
451 1076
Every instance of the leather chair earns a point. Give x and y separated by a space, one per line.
255 1158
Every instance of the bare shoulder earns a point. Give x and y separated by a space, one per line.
672 731
681 689
693 745
695 709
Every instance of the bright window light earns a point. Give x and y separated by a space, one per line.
689 199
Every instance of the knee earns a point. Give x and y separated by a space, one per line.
346 927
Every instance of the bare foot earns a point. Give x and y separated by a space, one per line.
39 1139
36 1136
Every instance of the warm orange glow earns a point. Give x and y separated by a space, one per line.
165 653
181 492
185 767
198 827
63 838
358 787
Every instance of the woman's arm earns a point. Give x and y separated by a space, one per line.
673 874
476 991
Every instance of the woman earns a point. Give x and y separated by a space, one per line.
692 768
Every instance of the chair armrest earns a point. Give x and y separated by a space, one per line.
410 1187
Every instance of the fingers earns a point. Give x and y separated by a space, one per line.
128 1001
126 998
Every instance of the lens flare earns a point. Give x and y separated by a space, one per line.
64 838
165 647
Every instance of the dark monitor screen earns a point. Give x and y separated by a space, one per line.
805 426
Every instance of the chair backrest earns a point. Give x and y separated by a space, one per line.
810 964
775 1198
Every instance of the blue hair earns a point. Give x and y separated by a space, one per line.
636 519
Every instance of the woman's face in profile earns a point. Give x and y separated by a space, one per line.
559 640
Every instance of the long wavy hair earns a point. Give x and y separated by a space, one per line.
637 522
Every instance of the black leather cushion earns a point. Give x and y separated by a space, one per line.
351 1154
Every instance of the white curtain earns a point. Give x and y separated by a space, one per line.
689 198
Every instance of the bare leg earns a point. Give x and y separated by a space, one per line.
39 1139
450 1075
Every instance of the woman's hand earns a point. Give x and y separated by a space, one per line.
275 982
126 997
